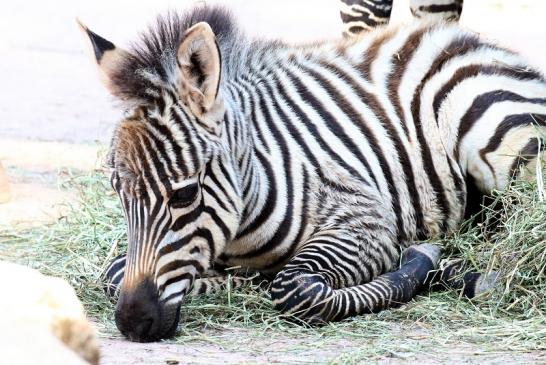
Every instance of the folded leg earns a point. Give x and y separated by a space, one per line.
310 287
211 282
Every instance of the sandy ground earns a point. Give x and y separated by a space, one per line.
33 169
260 352
54 115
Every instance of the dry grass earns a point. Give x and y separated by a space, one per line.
512 242
512 316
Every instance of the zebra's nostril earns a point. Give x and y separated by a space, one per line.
142 317
138 325
138 313
141 331
143 327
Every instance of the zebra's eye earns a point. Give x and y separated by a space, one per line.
184 197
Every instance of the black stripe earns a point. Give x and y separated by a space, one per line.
526 155
256 121
441 8
400 62
330 121
358 121
270 201
227 175
174 246
219 222
303 225
210 174
174 279
286 224
213 194
178 264
313 131
375 106
187 137
470 71
509 123
481 104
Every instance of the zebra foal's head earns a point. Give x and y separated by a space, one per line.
167 161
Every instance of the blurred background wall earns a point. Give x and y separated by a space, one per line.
50 90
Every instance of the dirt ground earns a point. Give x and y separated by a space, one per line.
55 115
115 351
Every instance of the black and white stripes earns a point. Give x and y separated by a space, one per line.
365 15
318 165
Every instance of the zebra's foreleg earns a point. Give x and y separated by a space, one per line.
304 288
113 275
211 281
212 284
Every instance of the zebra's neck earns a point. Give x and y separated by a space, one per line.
241 138
253 125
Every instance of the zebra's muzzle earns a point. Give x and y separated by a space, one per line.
141 317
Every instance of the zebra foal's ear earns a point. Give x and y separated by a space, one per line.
199 63
106 55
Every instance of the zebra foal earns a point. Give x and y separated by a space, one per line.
320 165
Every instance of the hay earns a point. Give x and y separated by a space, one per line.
512 242
79 246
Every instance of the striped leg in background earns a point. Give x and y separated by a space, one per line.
363 15
448 10
310 287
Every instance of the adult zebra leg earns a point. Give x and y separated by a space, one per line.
307 286
364 15
448 10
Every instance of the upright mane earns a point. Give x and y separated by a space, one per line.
152 59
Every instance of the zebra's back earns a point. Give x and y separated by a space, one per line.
387 126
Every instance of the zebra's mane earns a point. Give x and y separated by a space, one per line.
152 59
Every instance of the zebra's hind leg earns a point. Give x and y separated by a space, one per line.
448 10
304 288
472 284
